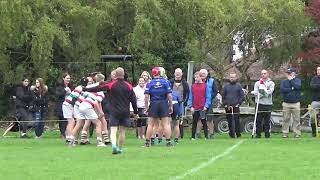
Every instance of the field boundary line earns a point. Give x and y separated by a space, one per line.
210 161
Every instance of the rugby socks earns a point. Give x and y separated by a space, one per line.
168 142
99 139
83 136
105 137
176 140
68 138
152 141
72 141
159 140
99 142
147 143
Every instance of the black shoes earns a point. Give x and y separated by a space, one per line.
24 136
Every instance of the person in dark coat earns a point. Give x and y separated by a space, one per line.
181 88
23 100
39 105
315 87
232 97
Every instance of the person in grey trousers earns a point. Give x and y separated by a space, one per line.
315 87
264 89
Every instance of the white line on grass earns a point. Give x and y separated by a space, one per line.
205 164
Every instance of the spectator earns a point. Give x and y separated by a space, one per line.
176 115
315 87
24 98
180 87
146 76
212 89
64 88
291 89
232 97
141 122
264 88
199 102
39 105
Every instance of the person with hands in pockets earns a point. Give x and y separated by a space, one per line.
198 102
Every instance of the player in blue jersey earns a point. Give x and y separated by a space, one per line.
158 130
158 92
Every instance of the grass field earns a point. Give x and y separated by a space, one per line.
220 158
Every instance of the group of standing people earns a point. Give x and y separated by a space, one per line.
32 105
163 102
160 100
158 105
290 89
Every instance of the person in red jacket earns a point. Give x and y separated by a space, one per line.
199 101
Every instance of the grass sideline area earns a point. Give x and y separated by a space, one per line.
51 158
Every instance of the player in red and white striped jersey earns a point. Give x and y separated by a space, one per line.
90 109
104 126
67 107
82 96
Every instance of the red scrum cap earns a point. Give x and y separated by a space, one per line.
156 71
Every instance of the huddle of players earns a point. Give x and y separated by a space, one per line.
82 108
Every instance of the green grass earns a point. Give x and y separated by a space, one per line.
50 158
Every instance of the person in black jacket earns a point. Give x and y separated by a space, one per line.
39 105
181 88
232 97
64 88
23 100
315 87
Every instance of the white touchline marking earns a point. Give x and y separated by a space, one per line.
205 164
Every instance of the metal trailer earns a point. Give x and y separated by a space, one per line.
247 118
